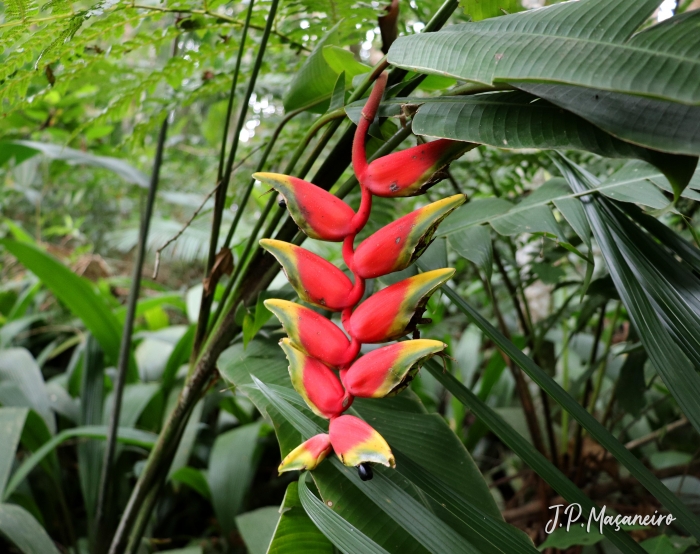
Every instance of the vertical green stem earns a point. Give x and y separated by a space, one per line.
604 360
220 199
564 444
125 347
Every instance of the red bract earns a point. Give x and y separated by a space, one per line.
315 280
313 333
315 383
388 370
395 246
355 442
317 212
412 171
395 311
315 345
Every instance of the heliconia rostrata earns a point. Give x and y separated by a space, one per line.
322 360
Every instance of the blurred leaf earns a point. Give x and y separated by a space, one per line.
484 9
341 60
564 538
11 425
91 453
669 458
296 530
17 366
178 357
257 528
232 465
474 244
253 324
77 294
136 397
313 83
24 531
663 544
193 478
630 387
134 437
77 157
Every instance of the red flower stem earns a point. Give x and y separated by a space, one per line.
359 155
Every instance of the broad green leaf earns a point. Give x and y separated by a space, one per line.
522 448
484 9
257 528
77 294
519 120
487 534
77 157
343 535
18 152
18 368
590 43
134 437
91 453
232 465
11 425
296 531
655 124
474 244
341 60
587 421
572 211
312 85
25 532
193 478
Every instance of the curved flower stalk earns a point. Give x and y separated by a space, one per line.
322 359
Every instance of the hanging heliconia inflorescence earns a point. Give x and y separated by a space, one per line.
322 360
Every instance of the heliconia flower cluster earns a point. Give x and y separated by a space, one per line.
323 363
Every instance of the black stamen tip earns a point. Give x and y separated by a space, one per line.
364 470
281 203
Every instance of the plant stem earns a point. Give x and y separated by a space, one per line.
125 347
604 360
220 198
564 445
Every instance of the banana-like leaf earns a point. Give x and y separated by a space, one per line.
587 421
590 43
655 124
